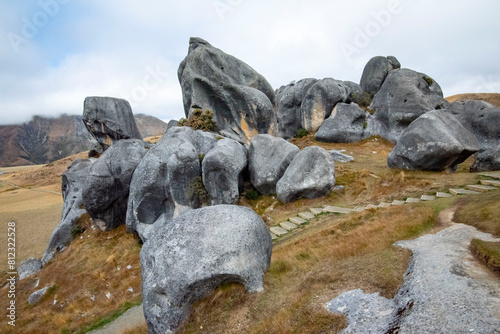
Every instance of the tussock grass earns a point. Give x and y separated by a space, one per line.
480 211
488 253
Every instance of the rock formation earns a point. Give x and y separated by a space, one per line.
28 267
346 124
376 71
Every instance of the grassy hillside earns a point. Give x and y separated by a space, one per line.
493 98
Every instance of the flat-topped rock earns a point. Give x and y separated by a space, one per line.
412 200
274 236
371 206
461 191
288 226
427 198
359 209
443 195
384 205
493 175
306 215
278 231
336 209
480 188
316 211
491 183
396 202
297 220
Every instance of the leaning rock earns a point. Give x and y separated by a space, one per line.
193 254
319 102
223 169
346 124
36 296
73 181
435 141
109 119
106 190
29 267
482 119
240 98
404 96
269 157
310 175
376 71
288 106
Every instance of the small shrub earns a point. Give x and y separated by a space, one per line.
428 79
363 100
201 157
76 230
200 120
301 133
252 195
197 192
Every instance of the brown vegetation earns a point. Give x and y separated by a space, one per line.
493 98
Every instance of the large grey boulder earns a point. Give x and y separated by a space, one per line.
106 190
269 157
73 182
311 174
36 296
109 119
29 267
376 71
193 254
289 105
319 101
241 99
482 119
164 181
436 141
346 124
222 169
404 96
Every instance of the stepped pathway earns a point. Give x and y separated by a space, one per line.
303 218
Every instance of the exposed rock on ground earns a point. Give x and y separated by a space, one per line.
241 99
193 254
269 157
346 124
29 267
106 189
445 291
311 174
376 71
109 119
36 296
435 141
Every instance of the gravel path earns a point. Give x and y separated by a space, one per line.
134 317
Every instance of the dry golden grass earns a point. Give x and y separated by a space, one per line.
493 98
481 211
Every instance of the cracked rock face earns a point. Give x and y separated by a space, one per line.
190 256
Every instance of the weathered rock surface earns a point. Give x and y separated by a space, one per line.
269 157
311 174
36 296
241 99
289 104
346 124
404 96
444 291
73 182
376 71
222 169
106 190
435 141
341 157
29 267
319 101
482 119
188 257
109 119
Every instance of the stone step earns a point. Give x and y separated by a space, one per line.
279 231
461 191
288 226
371 206
297 220
443 195
428 198
316 211
491 183
359 209
412 200
336 209
306 215
480 188
384 205
274 236
396 202
493 175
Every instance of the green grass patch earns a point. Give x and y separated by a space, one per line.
487 252
480 211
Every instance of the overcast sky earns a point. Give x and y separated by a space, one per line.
54 53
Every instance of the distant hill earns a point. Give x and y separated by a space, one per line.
43 140
493 98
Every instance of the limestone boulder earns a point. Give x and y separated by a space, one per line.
29 267
190 256
346 124
436 141
376 71
269 157
311 174
241 99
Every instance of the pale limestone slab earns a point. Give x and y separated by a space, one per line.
412 200
306 215
359 209
491 183
297 220
274 236
371 206
316 211
443 195
288 226
396 202
493 175
336 209
480 188
460 191
279 231
384 205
